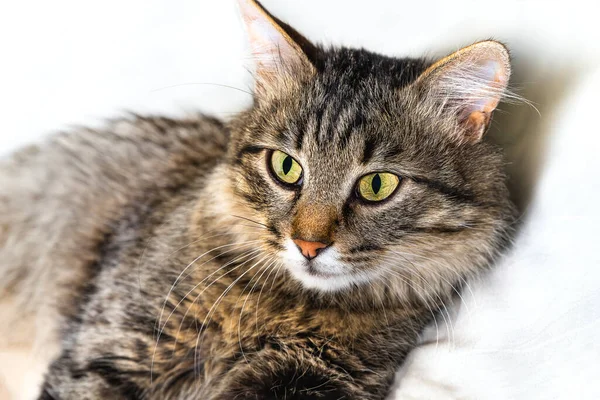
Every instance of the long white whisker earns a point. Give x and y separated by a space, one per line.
190 264
420 294
447 321
271 261
276 267
216 304
250 253
442 277
175 308
438 274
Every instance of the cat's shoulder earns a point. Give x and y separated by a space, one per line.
166 130
130 144
198 133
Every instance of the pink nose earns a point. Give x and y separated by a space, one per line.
309 249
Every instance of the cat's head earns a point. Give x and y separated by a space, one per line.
365 168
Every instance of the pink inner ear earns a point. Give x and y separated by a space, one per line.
490 70
482 87
469 84
249 10
269 45
489 81
263 40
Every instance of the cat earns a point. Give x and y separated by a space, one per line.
296 251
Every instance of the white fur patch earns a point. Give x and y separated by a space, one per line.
325 272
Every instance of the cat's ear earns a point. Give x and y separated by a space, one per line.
279 51
469 84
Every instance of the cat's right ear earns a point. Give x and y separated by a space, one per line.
468 84
281 54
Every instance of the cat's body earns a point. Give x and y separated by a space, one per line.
61 203
160 249
138 239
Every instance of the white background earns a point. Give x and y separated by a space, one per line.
529 330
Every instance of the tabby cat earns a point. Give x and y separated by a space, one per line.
294 252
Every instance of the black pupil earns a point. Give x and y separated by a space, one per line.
287 164
376 183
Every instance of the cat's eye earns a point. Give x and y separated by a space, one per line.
285 168
377 186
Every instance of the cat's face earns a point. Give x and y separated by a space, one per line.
360 177
361 185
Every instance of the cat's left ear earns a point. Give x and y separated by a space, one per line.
469 84
279 51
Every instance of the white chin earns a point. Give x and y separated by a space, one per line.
326 273
328 283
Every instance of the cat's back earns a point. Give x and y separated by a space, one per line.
59 200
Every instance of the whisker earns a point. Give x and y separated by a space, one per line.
216 304
419 293
241 244
250 253
202 237
250 220
438 273
459 276
271 261
276 267
281 266
447 321
245 254
191 263
201 83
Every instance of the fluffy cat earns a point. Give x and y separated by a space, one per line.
296 251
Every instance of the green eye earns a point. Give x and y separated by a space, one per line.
377 186
285 168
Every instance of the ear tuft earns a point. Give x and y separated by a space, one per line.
469 84
276 53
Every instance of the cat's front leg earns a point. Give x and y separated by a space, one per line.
274 381
293 373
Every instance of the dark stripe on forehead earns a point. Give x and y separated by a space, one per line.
353 119
305 126
368 150
337 126
387 152
300 131
328 116
317 117
359 118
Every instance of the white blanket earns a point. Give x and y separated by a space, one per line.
529 330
